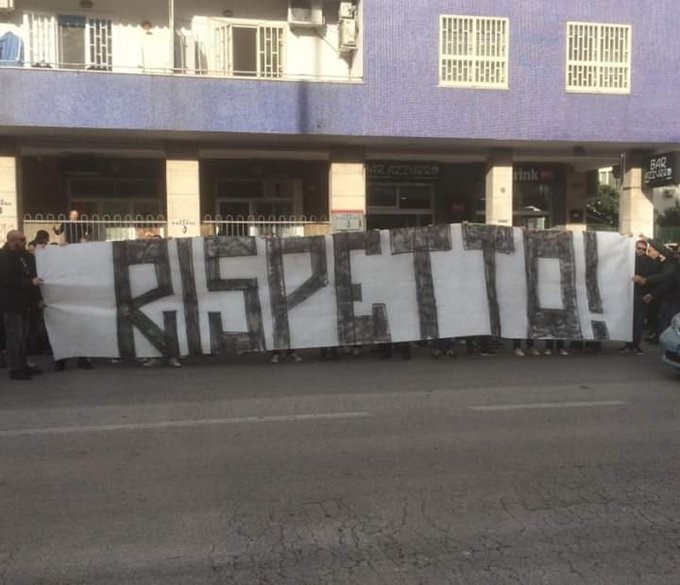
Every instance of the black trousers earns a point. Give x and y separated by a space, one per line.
15 340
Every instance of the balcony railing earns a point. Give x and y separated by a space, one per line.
211 46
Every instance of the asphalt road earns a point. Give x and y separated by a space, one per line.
553 470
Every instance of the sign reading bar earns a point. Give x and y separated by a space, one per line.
660 170
402 170
224 295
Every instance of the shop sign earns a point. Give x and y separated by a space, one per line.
403 170
534 175
660 170
347 221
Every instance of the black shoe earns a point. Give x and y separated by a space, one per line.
84 364
59 365
19 375
32 370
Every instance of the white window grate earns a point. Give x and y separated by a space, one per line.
41 32
270 51
473 51
598 57
100 44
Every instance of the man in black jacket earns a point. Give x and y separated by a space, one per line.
18 288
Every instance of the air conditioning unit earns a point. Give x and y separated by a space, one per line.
347 9
349 34
305 13
6 5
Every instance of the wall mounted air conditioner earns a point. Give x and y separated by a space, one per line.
348 35
305 13
6 5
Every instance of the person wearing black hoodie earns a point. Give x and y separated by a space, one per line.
18 290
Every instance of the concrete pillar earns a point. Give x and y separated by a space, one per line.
499 179
9 204
636 207
576 200
347 195
183 198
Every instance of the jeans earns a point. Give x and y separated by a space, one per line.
15 338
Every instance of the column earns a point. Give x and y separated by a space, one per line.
347 195
499 179
576 200
183 198
636 207
9 211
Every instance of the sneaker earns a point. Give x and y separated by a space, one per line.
518 352
451 353
534 351
487 353
116 361
174 363
547 352
624 350
640 351
275 358
32 370
151 363
437 353
564 352
293 357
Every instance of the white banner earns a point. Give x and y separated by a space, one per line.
192 296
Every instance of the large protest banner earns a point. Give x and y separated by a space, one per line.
194 296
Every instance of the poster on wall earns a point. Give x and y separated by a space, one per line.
215 295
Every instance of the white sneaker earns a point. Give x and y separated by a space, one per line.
547 352
174 362
437 353
293 357
275 358
534 351
151 362
564 352
518 352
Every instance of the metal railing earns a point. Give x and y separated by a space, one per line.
263 226
95 228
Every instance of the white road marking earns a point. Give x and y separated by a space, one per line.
544 405
185 423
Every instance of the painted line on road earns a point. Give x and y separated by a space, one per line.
545 405
186 423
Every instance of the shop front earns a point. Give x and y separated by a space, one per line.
412 194
539 195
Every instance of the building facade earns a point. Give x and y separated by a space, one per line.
355 114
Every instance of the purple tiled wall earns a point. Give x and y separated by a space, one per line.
400 96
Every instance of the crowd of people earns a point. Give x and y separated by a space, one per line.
23 334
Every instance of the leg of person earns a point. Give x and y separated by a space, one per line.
639 310
16 351
517 347
549 346
531 347
84 363
561 347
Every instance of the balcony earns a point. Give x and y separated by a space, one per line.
274 40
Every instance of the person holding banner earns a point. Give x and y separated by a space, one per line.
18 289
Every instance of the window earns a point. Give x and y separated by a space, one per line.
245 50
72 42
473 52
598 58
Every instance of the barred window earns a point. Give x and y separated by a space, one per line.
473 51
598 58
